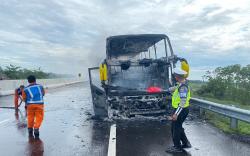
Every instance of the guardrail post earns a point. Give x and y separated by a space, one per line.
232 112
233 123
202 113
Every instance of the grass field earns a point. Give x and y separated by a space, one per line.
223 123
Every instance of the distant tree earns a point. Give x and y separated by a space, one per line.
12 71
2 75
16 72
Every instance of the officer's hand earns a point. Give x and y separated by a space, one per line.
169 118
174 117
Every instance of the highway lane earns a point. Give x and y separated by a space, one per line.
68 130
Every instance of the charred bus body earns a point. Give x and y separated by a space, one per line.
138 74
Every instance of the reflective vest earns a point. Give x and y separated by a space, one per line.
176 98
34 94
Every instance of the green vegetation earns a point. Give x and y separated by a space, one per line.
223 123
195 85
226 85
15 72
225 102
231 83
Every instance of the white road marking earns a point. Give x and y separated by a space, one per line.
4 121
112 141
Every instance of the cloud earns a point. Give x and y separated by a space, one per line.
67 36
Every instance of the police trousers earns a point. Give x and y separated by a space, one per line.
178 133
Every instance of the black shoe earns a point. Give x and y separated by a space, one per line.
187 145
36 133
30 130
174 149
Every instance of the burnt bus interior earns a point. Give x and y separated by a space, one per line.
138 62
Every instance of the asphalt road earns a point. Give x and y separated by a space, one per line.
69 130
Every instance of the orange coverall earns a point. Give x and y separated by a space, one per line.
35 113
18 92
16 99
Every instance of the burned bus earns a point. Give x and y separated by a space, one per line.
134 76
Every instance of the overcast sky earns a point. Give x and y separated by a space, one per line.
67 36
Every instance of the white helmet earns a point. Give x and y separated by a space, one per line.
179 71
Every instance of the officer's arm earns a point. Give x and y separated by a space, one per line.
172 89
183 92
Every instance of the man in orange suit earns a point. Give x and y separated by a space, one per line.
33 96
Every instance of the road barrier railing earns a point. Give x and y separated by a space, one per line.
232 112
7 87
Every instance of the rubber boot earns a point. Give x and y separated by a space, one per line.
30 130
36 133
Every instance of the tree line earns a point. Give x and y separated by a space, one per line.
16 72
228 83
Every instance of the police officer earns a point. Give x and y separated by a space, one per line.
33 96
180 103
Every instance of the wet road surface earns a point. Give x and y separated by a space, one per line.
68 130
151 138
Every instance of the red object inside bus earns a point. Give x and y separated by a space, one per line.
154 89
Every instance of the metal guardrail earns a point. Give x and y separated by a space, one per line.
233 113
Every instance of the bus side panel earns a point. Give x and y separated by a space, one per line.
99 102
